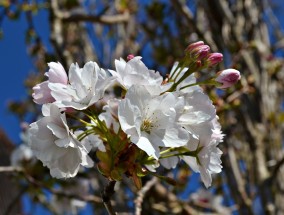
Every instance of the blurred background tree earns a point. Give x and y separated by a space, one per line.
247 32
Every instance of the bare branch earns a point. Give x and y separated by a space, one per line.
182 8
141 194
103 19
11 169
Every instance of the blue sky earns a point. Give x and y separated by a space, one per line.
15 66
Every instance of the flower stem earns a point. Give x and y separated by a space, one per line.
168 150
85 134
208 82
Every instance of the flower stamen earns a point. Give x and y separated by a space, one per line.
147 125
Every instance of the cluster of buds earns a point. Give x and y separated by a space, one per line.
198 57
199 52
154 122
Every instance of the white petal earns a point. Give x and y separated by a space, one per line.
128 115
149 148
57 130
59 91
56 73
89 74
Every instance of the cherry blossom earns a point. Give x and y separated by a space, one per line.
154 121
54 144
208 161
134 72
87 86
56 74
150 121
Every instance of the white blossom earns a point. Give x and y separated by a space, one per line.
86 86
208 159
54 144
56 75
199 118
134 72
150 121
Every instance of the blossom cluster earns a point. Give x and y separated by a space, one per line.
155 122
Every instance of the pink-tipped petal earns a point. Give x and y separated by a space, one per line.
56 73
41 94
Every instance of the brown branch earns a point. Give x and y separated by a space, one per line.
275 171
106 194
141 194
240 188
183 9
10 169
164 195
103 19
88 198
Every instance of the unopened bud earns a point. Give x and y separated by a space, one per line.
214 58
228 78
129 57
194 46
197 51
202 52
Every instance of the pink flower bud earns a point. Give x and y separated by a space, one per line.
228 78
214 58
194 46
200 52
129 57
